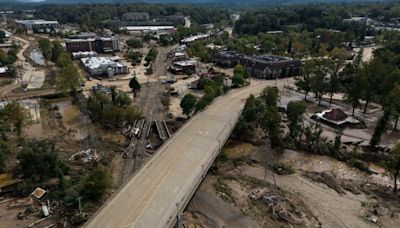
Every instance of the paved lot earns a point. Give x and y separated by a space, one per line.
165 184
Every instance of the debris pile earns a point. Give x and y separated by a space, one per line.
281 206
86 156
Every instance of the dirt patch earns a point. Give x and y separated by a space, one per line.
236 149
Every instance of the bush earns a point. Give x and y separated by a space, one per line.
95 183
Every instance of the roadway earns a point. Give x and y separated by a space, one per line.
161 189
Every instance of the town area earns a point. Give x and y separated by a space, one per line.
161 115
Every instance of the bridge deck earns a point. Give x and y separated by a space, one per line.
166 183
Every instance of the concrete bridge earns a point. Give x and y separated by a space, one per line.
158 194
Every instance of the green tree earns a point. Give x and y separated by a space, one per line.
95 183
295 111
63 60
38 161
69 79
393 98
17 116
46 48
270 96
238 76
352 93
371 75
134 85
134 43
380 128
271 123
303 82
318 83
392 166
334 67
188 103
56 50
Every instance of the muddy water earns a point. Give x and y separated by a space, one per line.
37 57
71 118
320 163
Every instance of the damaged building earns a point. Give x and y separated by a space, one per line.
261 66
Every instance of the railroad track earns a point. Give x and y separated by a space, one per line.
135 152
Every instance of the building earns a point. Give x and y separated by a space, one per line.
4 72
103 66
177 18
189 40
184 67
149 29
98 44
262 66
135 16
83 35
84 54
39 26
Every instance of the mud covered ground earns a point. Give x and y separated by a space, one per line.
316 191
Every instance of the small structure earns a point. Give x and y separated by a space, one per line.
38 194
4 72
103 66
336 117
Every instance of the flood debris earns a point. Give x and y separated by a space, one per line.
85 156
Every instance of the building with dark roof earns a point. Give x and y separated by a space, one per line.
98 44
135 16
262 66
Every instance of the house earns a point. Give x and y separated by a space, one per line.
103 66
184 67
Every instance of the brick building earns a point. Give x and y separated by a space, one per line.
98 44
262 66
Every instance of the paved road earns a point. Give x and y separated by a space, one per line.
166 183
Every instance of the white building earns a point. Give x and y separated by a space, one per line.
148 29
84 54
40 26
98 66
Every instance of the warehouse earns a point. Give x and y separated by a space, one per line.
148 29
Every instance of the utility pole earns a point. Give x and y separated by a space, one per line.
269 165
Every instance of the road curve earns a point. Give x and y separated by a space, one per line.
166 183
